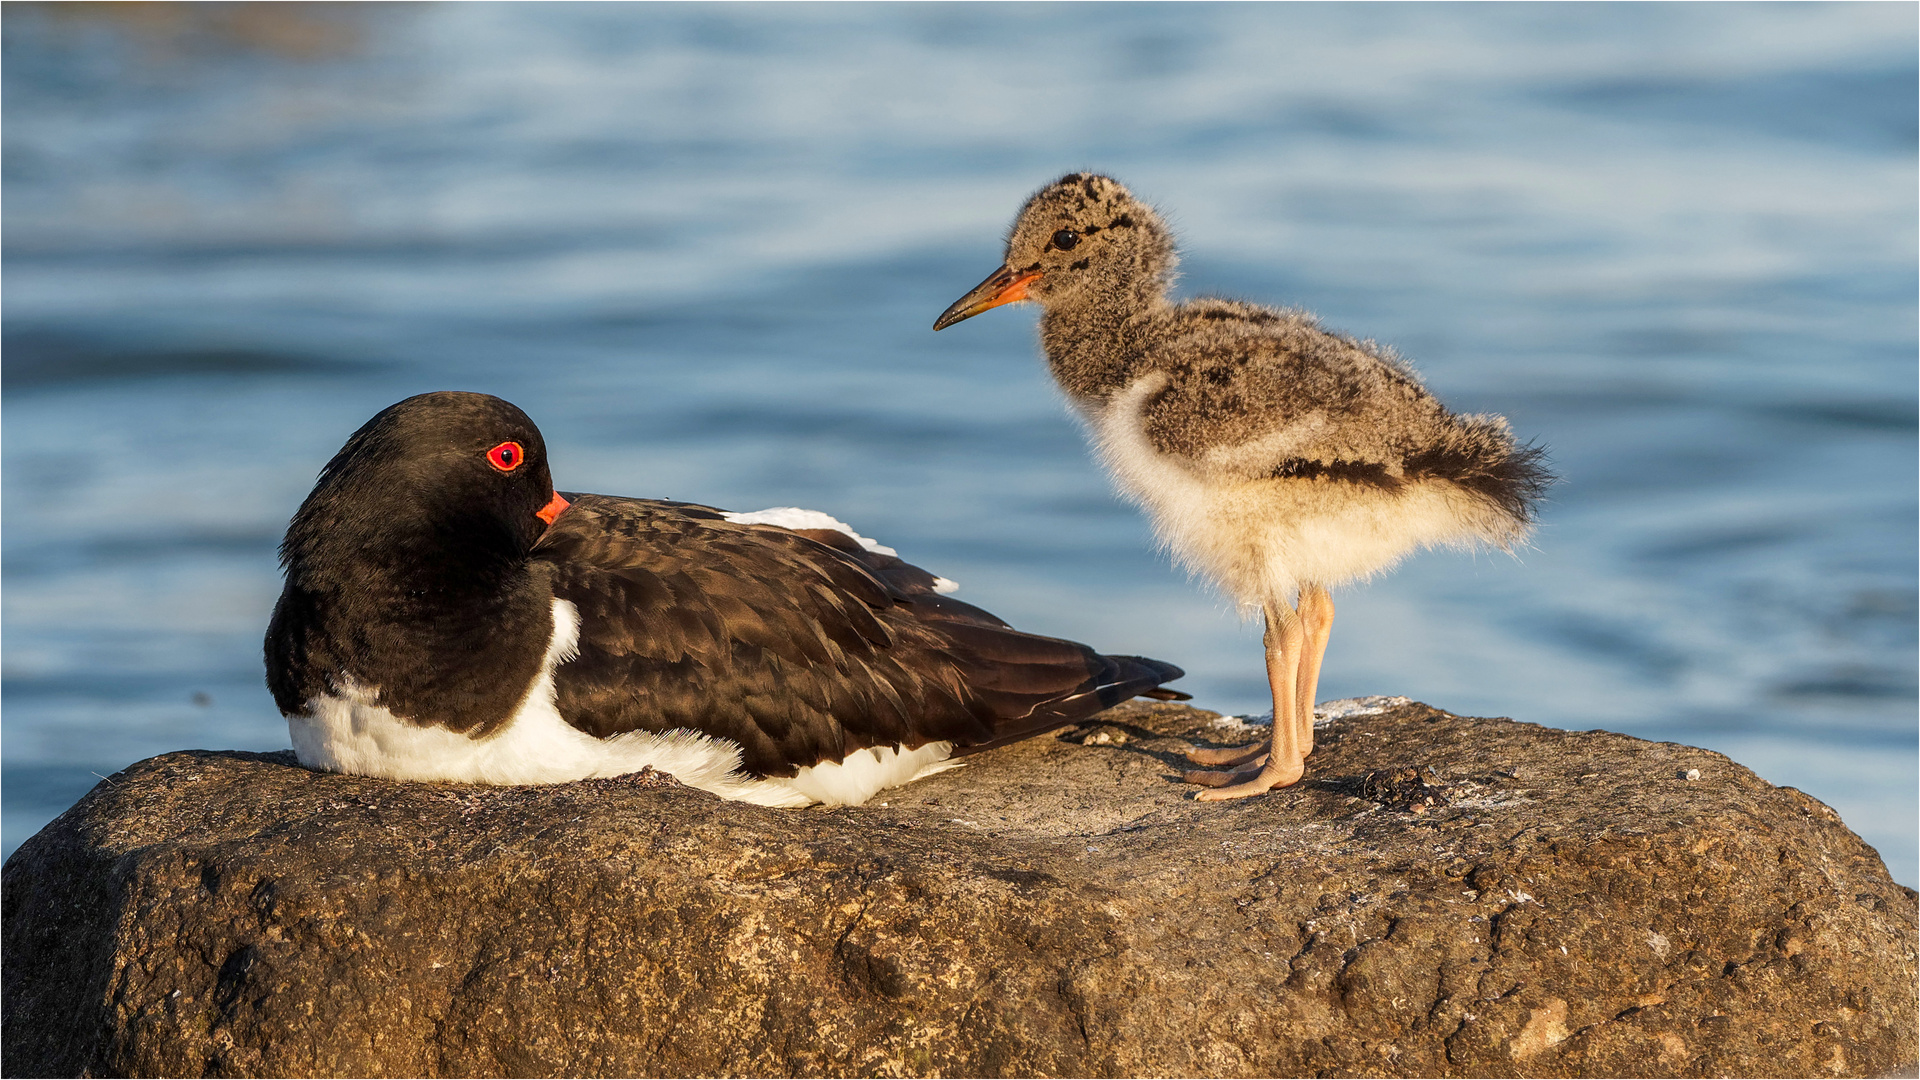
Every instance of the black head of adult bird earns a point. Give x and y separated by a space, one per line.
1274 457
449 616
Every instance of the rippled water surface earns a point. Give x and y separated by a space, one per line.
703 247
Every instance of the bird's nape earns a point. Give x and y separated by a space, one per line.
447 615
1275 457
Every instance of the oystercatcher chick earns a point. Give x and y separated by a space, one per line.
448 616
1274 457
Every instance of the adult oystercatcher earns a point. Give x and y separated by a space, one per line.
448 616
1274 457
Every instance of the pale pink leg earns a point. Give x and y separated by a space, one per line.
1228 755
1286 761
1316 612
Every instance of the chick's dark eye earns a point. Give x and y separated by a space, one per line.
506 457
1065 239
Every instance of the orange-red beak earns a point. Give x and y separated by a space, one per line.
552 510
1001 287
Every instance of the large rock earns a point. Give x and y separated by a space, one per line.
1565 904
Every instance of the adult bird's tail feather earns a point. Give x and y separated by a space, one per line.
1116 679
1026 684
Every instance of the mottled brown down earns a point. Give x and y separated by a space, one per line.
1274 458
1239 373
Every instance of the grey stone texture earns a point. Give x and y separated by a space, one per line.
1442 896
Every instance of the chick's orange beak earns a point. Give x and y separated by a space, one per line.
1001 287
552 510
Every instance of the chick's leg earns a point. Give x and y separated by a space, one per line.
1316 613
1286 642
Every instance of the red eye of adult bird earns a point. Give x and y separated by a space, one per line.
632 634
506 457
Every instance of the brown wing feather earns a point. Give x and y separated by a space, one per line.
798 646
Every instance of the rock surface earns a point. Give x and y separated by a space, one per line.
1442 896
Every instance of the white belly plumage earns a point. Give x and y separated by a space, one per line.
1259 540
347 731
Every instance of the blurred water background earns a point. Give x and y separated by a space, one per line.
703 245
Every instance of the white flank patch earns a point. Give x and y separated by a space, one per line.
792 517
1325 712
347 731
865 772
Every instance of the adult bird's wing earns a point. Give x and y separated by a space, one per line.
801 646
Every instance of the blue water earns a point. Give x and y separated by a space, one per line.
703 247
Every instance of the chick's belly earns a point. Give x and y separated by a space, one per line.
1261 540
